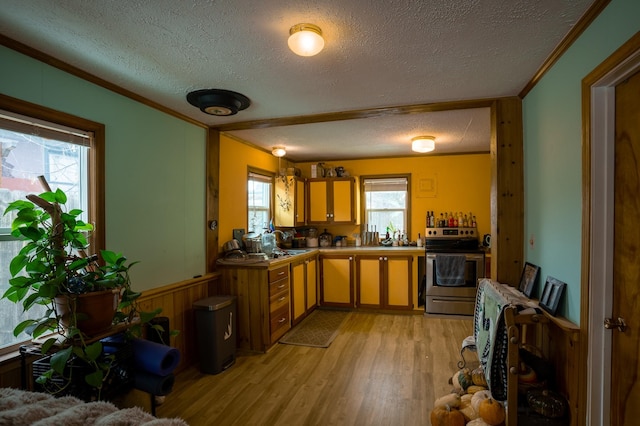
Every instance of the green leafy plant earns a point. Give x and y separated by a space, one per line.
53 266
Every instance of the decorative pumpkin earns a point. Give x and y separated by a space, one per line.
473 389
464 378
446 416
452 400
477 375
477 422
478 397
455 382
547 403
466 409
492 411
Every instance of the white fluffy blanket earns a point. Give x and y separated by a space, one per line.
19 408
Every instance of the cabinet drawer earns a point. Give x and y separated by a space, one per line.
278 300
278 287
279 319
278 273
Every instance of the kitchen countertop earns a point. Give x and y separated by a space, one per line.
301 253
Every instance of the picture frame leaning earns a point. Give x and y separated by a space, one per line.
529 278
551 295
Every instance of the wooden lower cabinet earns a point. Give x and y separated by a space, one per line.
279 313
263 304
304 292
336 280
384 281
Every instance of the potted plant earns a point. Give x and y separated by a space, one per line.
54 270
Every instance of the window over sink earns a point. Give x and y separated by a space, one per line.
386 203
259 200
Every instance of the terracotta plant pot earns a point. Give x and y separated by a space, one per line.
95 310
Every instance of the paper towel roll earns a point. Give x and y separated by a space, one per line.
154 357
152 383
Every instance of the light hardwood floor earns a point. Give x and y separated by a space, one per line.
380 370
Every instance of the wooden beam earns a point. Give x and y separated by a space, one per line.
507 191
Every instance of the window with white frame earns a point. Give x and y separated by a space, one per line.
259 205
386 203
31 147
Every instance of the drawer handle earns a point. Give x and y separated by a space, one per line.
281 273
281 286
283 319
281 299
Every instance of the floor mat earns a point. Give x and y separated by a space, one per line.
317 330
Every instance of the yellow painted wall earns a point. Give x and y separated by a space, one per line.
235 159
438 183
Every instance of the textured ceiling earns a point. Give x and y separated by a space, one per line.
378 53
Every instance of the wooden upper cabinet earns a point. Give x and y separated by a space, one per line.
332 201
289 201
317 193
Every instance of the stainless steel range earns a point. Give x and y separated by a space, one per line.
454 262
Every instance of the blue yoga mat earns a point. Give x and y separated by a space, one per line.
154 357
152 383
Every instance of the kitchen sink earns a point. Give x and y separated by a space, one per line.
297 251
289 252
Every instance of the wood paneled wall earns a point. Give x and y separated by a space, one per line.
176 301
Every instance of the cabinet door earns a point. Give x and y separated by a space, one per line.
300 214
336 281
398 282
369 281
285 201
312 283
342 201
298 305
317 196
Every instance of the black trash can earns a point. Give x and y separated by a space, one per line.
216 333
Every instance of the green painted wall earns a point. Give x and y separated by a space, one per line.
553 156
155 170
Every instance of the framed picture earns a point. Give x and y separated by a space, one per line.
551 295
529 278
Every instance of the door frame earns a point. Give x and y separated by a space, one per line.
598 167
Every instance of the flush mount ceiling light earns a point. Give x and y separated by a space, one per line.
218 101
423 143
306 39
279 151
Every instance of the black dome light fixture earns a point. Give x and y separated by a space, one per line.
218 101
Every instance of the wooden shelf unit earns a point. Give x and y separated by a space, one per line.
558 341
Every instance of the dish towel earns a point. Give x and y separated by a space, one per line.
450 269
